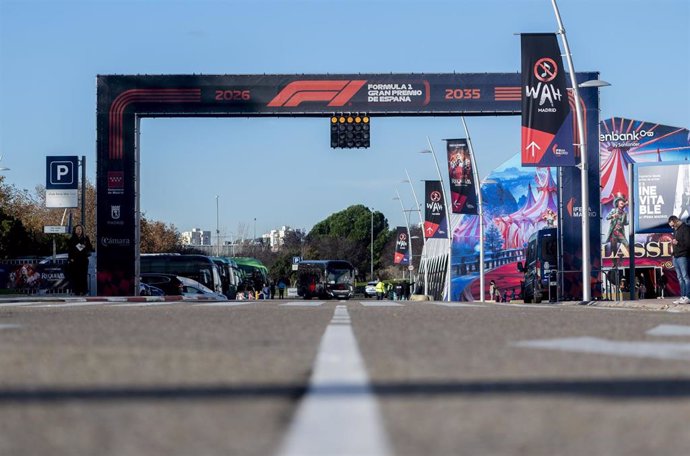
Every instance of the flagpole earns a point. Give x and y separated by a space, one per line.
421 224
448 228
478 190
407 225
584 168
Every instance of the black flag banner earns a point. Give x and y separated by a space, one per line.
402 245
547 122
435 225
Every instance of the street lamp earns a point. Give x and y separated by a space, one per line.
217 230
584 168
421 223
371 245
445 208
480 212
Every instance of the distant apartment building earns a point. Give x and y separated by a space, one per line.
196 237
276 238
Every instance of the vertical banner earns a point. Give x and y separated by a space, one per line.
402 247
434 211
547 121
662 190
463 193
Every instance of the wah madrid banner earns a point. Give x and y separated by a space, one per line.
402 247
463 194
435 225
547 121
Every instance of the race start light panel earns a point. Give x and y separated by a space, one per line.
349 131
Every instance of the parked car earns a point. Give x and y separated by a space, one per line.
171 284
149 290
192 288
370 290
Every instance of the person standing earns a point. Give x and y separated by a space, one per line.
681 252
380 290
78 251
281 289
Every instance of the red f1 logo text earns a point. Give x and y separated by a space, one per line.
336 93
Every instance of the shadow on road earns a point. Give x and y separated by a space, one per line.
641 388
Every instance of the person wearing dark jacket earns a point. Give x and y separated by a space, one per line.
78 251
681 254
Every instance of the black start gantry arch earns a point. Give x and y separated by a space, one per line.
124 99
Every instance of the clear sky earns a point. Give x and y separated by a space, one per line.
282 171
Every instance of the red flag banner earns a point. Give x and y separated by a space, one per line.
547 123
463 195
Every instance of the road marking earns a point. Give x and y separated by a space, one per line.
381 304
670 330
456 304
72 304
303 303
225 304
339 414
658 350
144 304
9 326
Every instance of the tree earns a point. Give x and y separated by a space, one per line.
159 237
347 235
492 239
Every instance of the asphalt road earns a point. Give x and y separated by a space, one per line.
183 378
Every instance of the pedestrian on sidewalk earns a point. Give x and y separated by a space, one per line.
78 251
681 252
661 283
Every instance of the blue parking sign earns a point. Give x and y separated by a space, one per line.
62 172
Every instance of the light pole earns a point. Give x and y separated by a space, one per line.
371 245
421 224
217 230
445 208
584 168
407 225
478 190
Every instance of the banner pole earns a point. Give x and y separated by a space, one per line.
478 191
407 225
584 167
448 228
421 224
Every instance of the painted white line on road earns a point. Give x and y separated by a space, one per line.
456 304
339 414
225 304
381 304
670 330
72 304
144 303
303 304
19 304
658 350
9 326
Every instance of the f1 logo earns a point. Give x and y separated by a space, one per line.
62 172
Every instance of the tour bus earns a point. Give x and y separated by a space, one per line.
255 273
198 267
325 279
228 277
541 258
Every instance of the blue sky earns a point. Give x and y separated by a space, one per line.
282 171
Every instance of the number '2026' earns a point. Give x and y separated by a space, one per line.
233 95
